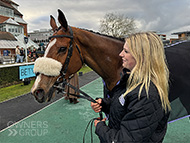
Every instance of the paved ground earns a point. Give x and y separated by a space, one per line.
62 122
23 106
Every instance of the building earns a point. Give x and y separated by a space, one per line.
13 29
8 41
11 20
185 35
12 26
41 37
162 36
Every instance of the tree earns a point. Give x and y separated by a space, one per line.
117 25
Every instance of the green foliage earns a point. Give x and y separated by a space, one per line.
9 75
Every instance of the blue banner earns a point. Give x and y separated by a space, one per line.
5 52
26 71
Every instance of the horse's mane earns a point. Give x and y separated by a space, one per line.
117 38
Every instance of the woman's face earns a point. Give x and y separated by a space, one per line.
129 61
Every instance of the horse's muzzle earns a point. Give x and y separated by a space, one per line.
41 97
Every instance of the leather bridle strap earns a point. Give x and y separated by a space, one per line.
69 54
80 54
61 36
70 50
86 96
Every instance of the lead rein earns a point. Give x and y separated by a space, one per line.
86 96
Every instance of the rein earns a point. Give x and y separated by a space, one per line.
87 97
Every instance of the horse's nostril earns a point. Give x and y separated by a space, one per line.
39 94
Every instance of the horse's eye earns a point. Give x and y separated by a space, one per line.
62 49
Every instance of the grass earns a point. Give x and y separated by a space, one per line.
85 69
20 89
9 92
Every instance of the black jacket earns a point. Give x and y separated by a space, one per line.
132 119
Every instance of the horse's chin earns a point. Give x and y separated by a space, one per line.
41 97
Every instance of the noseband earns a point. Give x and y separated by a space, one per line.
69 54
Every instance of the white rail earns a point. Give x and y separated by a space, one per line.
17 64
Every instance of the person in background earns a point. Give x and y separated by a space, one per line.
21 55
29 57
29 51
34 53
33 58
139 108
17 52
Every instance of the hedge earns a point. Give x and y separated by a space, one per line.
9 75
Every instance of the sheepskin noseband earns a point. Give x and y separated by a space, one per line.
47 66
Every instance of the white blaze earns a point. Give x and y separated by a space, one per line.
36 83
38 79
49 47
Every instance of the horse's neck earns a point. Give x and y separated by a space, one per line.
101 53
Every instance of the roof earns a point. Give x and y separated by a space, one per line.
7 44
20 20
11 44
7 36
13 2
184 32
30 43
11 21
7 3
7 40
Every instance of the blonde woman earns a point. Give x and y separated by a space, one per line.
139 108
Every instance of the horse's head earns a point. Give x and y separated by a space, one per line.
62 58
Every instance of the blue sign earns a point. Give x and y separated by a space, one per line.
5 52
26 71
26 40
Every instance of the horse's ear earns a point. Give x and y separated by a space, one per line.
62 19
53 23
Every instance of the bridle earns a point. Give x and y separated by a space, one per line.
69 55
60 69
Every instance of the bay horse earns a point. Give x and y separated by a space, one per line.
100 53
70 47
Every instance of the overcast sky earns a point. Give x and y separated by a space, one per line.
164 16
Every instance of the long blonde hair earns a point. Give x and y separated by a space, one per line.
148 51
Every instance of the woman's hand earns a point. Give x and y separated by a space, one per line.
96 106
98 120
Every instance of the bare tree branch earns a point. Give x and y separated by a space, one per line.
117 25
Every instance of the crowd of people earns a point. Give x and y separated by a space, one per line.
20 54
